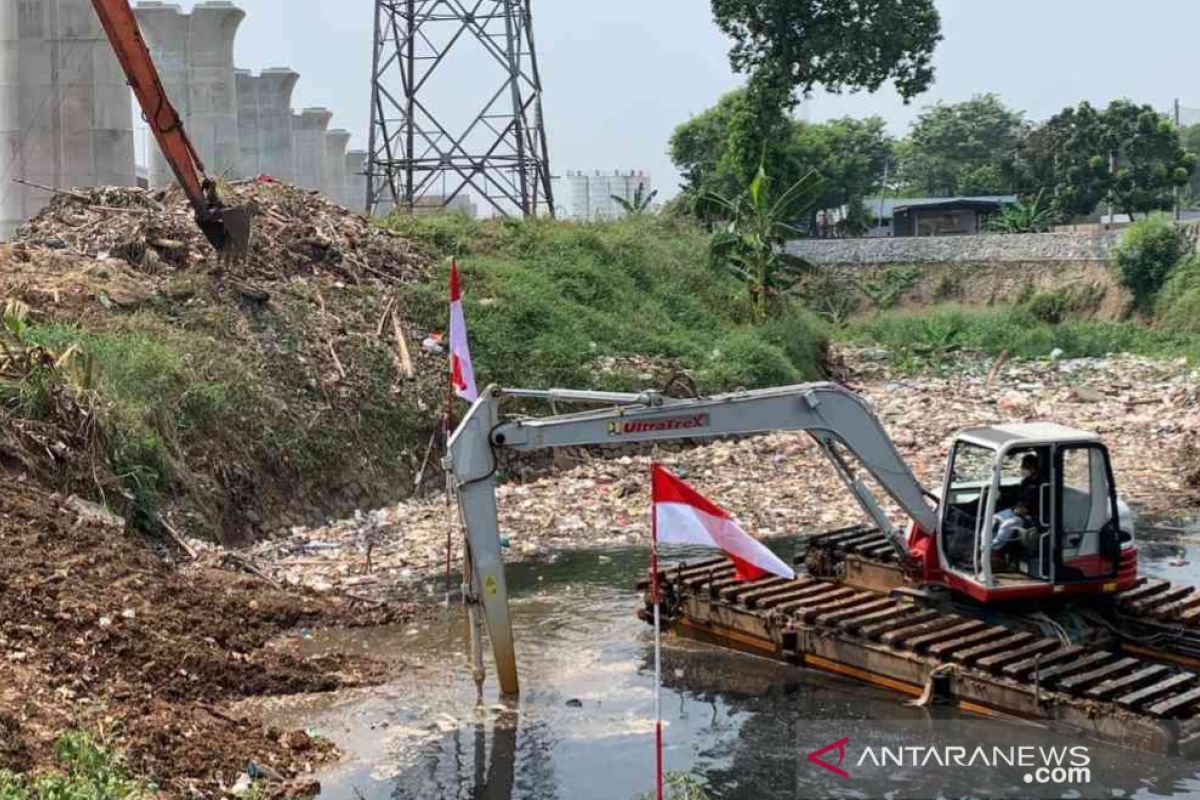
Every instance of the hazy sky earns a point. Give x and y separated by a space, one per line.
620 74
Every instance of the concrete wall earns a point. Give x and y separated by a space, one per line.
265 122
336 143
311 128
987 248
356 180
65 109
194 53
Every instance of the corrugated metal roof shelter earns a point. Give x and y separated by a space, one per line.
884 209
960 215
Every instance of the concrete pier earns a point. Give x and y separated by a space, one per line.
336 143
311 127
356 180
65 109
194 53
265 122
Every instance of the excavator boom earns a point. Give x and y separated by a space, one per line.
836 418
228 229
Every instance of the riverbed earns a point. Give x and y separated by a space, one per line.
741 726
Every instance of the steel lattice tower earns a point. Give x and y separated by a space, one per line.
446 123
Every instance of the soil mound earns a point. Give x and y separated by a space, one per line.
97 630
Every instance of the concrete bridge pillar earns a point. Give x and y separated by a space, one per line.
265 122
194 54
312 151
336 143
356 180
65 109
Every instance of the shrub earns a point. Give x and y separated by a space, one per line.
1056 306
1147 254
743 359
90 770
886 288
948 287
829 295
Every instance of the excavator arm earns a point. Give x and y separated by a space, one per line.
226 228
836 419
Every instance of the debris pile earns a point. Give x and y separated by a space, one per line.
313 330
94 627
778 483
296 232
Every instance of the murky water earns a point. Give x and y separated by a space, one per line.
583 727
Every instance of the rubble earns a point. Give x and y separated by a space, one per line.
296 232
778 484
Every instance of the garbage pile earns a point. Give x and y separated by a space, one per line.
296 231
1147 412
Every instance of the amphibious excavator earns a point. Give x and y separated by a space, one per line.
895 605
227 229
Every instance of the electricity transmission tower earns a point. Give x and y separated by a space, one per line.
456 108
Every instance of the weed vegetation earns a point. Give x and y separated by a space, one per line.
922 337
573 304
88 770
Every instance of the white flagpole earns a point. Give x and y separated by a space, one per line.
655 598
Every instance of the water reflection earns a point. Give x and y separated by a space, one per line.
582 729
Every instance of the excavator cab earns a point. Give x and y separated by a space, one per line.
1032 510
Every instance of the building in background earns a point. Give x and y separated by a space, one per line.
592 193
931 216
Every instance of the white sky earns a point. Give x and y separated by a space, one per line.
619 75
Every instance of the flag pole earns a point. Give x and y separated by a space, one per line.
655 598
447 429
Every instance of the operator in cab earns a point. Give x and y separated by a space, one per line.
1026 512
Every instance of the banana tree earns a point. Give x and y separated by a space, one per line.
637 205
751 241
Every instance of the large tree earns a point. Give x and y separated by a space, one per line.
961 149
797 45
1127 154
790 47
848 154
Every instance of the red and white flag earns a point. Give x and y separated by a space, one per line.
462 375
684 516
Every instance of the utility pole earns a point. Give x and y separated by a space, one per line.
887 165
432 59
1178 189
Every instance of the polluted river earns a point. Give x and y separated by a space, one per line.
739 725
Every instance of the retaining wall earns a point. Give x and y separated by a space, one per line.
981 249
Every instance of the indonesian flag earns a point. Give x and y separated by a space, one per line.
462 375
684 516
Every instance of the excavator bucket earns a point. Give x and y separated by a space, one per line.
228 230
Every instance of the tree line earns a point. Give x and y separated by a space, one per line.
1083 158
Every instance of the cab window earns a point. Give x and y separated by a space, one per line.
970 482
1088 540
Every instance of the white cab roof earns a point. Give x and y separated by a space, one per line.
1026 433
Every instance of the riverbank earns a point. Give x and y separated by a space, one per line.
1147 411
100 634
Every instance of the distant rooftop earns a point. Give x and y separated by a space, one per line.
890 204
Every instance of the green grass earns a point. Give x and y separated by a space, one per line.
922 336
88 770
545 301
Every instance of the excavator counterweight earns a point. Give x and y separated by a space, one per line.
227 229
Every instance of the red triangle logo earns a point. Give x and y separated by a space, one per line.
840 746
